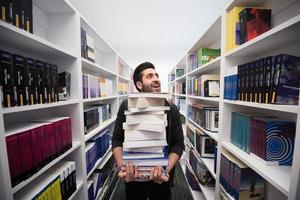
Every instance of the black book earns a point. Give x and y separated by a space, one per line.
212 88
243 25
256 80
26 15
251 75
6 79
16 13
31 89
64 86
39 65
4 10
48 81
261 82
246 82
19 80
268 78
54 91
286 80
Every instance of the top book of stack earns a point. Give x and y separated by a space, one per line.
146 100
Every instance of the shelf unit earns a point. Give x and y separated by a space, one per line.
56 39
281 182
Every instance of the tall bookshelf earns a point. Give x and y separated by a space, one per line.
282 181
56 39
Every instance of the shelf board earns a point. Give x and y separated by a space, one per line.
181 78
99 98
182 113
208 162
247 3
79 185
93 67
100 163
99 128
172 82
282 108
123 78
211 66
180 95
195 194
225 192
123 96
280 36
17 109
22 40
18 187
208 192
214 99
278 176
211 134
104 186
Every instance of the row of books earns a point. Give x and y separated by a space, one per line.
202 174
181 103
99 177
25 81
204 144
58 183
18 13
95 115
240 181
179 72
205 116
171 77
96 86
205 85
145 132
244 24
97 147
123 88
87 46
32 145
267 137
123 70
201 57
181 88
274 79
191 178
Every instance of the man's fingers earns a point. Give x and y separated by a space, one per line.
136 172
159 172
152 173
164 178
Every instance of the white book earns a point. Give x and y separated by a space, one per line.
90 42
130 156
149 162
158 108
143 102
150 95
161 112
145 127
136 135
145 149
139 118
203 78
148 143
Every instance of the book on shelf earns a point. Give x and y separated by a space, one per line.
26 15
48 81
272 140
39 67
4 11
200 86
6 79
19 80
191 179
90 189
240 181
231 83
205 55
191 133
205 145
202 173
123 88
64 86
181 88
179 72
192 61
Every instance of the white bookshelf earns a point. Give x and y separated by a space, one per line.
282 182
56 39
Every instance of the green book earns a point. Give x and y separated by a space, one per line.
205 55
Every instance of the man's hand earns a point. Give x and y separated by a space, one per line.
157 176
128 173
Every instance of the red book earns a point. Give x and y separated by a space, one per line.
69 125
58 136
36 141
64 133
14 158
45 143
49 129
26 151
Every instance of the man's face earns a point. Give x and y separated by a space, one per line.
150 81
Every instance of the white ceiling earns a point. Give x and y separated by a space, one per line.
159 31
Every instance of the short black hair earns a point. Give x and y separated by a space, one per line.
137 74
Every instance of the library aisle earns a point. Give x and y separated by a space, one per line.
236 89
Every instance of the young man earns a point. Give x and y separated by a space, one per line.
158 187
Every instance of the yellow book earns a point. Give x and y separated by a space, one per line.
227 33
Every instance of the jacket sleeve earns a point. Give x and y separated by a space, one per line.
118 133
176 132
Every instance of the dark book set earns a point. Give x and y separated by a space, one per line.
95 115
204 85
181 88
201 172
87 46
240 181
191 179
25 81
97 147
18 13
267 138
275 80
32 145
99 177
205 116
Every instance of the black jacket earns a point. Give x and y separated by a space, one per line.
174 131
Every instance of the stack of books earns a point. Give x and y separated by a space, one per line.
145 132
